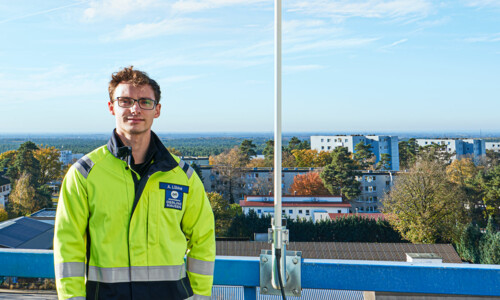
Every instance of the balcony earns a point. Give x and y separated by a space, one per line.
322 274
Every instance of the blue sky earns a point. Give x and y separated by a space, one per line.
358 65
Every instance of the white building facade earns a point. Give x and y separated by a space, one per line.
304 207
5 190
381 144
494 146
475 148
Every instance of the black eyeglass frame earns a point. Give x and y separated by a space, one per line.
138 102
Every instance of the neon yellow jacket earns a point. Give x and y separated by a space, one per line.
118 240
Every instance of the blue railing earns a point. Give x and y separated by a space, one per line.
378 276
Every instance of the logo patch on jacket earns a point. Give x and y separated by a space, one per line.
174 194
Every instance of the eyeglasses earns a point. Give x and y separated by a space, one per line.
128 102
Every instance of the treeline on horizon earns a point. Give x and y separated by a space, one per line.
199 146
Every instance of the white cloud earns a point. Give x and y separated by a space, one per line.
48 84
483 3
366 9
40 12
187 6
486 38
393 44
116 8
164 27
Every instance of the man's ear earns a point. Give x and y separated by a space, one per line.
157 110
111 108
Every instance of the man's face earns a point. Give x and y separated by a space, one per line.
133 120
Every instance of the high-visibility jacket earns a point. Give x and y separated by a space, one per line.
115 239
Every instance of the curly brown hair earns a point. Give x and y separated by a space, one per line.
136 77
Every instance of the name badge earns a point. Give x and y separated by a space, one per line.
174 194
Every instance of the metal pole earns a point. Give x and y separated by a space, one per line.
277 119
277 226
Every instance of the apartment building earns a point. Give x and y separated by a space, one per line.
305 207
374 186
381 144
5 190
495 146
474 148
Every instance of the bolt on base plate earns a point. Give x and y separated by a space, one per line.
293 271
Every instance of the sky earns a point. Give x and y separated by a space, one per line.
348 65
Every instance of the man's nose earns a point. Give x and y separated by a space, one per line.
135 107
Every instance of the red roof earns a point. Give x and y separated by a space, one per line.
373 216
245 203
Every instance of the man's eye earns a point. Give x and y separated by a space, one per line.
127 101
147 102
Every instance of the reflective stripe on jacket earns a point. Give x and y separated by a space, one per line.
129 240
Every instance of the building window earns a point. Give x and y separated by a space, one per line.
307 212
328 140
322 147
283 211
339 211
322 140
256 175
387 183
329 147
300 211
290 211
259 211
346 140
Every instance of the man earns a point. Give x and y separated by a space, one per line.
128 211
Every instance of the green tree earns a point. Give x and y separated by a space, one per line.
26 198
407 153
197 169
339 176
247 149
224 212
363 155
436 152
468 244
490 183
490 244
24 162
269 152
384 163
229 171
293 144
493 157
3 215
424 206
50 165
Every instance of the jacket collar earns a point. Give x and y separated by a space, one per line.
156 151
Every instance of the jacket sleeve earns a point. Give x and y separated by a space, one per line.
70 236
198 225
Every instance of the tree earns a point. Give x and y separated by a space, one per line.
468 244
384 163
229 168
24 162
408 153
293 144
174 151
308 184
339 176
197 169
50 165
3 215
26 199
258 163
363 155
424 206
311 158
490 244
490 182
269 152
493 157
247 149
465 175
263 185
224 212
435 152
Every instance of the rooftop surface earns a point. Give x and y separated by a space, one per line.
348 251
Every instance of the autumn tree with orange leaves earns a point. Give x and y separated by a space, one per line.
308 184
